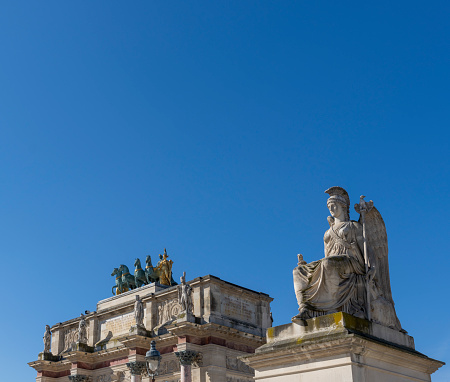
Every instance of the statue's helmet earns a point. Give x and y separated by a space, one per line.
339 195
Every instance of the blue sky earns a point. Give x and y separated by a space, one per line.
213 129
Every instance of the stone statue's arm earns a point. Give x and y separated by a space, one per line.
326 239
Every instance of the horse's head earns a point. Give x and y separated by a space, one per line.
115 272
137 263
148 260
123 268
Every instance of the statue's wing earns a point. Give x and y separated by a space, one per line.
376 233
378 244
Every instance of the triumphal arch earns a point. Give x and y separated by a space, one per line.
200 328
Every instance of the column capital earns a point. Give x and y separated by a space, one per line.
188 357
79 378
136 367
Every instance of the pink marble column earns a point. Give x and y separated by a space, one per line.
186 375
186 358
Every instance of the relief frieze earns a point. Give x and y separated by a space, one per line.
234 364
168 310
70 337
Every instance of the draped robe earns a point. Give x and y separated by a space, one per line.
336 282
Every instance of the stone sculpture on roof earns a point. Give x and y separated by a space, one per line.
47 339
82 333
139 312
165 270
354 275
161 274
184 295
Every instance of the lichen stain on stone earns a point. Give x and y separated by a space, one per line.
270 333
337 318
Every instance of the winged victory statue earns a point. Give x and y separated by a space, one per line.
353 277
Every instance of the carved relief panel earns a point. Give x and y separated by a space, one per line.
168 367
70 337
234 364
167 311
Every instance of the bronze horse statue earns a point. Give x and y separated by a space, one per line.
151 273
119 285
127 279
139 274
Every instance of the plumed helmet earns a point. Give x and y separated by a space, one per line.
339 195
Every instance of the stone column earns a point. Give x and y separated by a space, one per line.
186 358
136 369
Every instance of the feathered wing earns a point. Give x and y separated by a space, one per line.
378 244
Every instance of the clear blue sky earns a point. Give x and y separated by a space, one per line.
212 129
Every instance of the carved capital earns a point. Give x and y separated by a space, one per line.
188 357
79 378
136 368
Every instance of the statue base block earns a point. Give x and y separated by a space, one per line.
80 346
339 348
185 317
139 330
47 356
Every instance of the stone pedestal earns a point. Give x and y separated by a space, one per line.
47 356
339 348
185 317
80 346
139 330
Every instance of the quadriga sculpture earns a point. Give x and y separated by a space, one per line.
161 274
354 275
